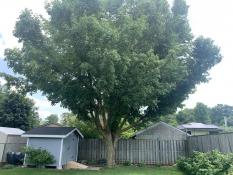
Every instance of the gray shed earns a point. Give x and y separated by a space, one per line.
161 131
61 142
10 141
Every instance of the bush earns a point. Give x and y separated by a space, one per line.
8 166
127 163
38 157
210 163
140 164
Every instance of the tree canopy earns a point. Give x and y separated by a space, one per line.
87 128
17 111
113 62
51 119
222 114
202 113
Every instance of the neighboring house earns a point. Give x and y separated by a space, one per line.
199 129
10 141
161 131
61 142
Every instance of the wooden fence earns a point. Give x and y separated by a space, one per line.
222 142
162 152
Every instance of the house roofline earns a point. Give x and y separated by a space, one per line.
51 136
156 124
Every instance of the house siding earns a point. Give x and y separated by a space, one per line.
197 132
52 145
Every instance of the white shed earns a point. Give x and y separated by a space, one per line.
10 141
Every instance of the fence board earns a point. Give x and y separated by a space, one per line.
164 152
222 142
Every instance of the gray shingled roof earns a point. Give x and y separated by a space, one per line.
197 126
51 131
155 125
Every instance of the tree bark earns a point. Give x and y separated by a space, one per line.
111 142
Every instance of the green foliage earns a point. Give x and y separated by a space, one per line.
141 164
38 157
217 115
87 128
211 163
112 58
122 170
127 163
51 119
202 113
185 116
91 162
169 119
8 166
107 59
17 111
220 111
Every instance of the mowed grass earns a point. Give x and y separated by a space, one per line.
131 170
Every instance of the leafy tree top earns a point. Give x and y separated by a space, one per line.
113 52
114 62
17 111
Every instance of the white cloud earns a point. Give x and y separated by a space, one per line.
9 13
43 113
45 107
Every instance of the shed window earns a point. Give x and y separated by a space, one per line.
189 132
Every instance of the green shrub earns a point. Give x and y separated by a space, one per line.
141 164
210 163
8 166
91 162
127 163
38 157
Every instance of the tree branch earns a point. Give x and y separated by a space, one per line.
135 124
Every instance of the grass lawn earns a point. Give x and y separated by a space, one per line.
115 171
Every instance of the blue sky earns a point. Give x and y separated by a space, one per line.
44 106
211 18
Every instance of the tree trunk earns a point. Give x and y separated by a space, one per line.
111 142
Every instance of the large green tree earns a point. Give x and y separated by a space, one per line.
116 63
51 119
185 116
201 113
17 111
222 114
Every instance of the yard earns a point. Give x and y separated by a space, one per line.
116 171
